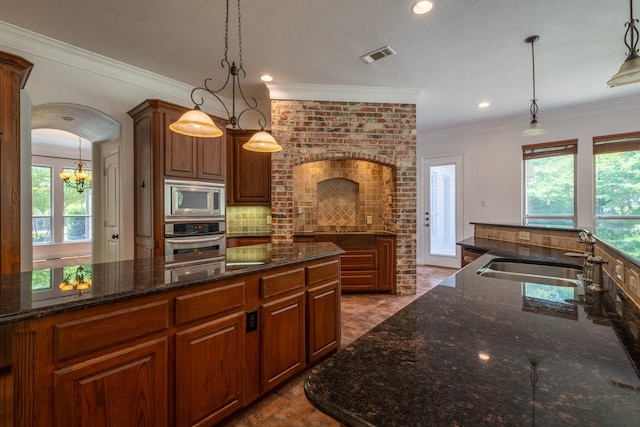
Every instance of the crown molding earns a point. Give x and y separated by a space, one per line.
317 92
33 45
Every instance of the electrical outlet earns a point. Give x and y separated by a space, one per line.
268 218
369 220
524 235
634 282
619 271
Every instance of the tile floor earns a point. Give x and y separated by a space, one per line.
287 405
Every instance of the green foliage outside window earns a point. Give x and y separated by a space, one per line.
550 191
41 204
617 195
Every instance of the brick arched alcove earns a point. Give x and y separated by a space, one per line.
384 133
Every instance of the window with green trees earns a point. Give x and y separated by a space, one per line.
59 213
41 224
549 184
76 214
617 191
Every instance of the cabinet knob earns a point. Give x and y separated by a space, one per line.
115 236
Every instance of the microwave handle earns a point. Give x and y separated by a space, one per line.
201 240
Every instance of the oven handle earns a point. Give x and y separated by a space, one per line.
201 239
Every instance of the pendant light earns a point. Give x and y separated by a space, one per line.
630 70
79 179
534 128
199 124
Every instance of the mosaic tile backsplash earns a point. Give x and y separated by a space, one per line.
342 195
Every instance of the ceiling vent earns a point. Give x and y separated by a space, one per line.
377 54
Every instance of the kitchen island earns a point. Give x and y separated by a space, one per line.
486 351
168 341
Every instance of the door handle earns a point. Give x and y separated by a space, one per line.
114 236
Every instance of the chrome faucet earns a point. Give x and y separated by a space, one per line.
589 241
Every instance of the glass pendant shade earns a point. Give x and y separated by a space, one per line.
534 129
196 123
262 142
629 72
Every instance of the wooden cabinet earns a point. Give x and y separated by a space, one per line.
195 158
386 263
248 172
283 344
369 261
123 388
210 371
159 154
185 357
14 72
470 254
323 310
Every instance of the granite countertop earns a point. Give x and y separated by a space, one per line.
481 351
36 293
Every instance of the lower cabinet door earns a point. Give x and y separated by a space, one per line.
323 320
283 340
210 371
124 388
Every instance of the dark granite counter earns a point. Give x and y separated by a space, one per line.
482 351
37 293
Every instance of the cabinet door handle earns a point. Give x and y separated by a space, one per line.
115 236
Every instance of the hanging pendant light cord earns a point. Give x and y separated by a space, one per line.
632 32
534 104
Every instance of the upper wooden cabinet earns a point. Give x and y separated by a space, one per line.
248 172
189 157
159 154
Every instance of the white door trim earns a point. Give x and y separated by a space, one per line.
424 258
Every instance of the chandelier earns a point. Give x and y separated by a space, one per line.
534 128
79 179
76 281
630 70
199 124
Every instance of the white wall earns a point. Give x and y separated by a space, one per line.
493 157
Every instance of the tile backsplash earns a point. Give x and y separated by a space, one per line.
248 219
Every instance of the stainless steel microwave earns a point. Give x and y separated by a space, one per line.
185 200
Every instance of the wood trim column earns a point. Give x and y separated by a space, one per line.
14 72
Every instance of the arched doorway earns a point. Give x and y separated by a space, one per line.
57 129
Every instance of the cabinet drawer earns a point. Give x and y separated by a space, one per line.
96 332
278 283
209 303
322 272
359 280
366 259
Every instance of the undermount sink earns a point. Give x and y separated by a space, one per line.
554 274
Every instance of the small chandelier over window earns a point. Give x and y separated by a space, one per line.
79 179
197 123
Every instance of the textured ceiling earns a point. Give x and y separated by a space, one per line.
459 54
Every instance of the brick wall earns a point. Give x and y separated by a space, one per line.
383 133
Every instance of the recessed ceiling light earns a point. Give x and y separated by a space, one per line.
484 356
266 78
484 104
421 7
